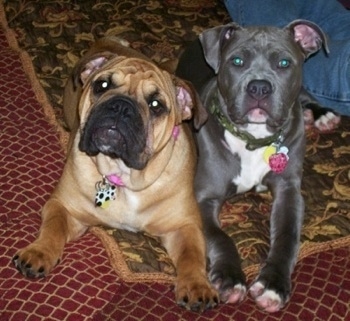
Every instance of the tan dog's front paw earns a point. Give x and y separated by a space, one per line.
196 295
35 261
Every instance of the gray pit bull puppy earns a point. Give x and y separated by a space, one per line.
249 79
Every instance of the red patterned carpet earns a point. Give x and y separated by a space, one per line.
84 286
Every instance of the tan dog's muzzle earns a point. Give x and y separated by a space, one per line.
116 129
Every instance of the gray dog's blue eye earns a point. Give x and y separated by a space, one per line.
237 61
283 63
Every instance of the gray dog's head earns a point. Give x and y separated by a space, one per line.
259 69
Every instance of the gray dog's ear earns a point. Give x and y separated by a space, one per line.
213 39
309 36
189 103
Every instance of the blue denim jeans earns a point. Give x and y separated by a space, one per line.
327 77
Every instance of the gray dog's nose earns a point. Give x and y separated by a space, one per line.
259 89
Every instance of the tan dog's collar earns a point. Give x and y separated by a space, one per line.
115 180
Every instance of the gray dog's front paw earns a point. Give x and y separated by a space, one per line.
271 294
268 300
230 285
327 122
324 119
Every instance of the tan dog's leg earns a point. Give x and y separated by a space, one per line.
186 248
57 228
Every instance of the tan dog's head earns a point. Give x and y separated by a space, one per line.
129 107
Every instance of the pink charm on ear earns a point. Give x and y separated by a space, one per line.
184 100
176 132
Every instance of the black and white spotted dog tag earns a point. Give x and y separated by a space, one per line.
105 193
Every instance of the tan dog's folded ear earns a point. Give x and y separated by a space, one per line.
103 50
190 103
169 65
86 66
73 88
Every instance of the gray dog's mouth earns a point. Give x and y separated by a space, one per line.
257 116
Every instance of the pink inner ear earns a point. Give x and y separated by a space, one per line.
308 38
184 100
91 66
228 34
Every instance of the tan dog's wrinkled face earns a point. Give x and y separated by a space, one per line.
129 109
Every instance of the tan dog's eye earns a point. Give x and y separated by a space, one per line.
156 106
102 85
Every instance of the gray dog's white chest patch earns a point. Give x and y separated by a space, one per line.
253 166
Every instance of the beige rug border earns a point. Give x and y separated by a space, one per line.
114 253
29 71
306 249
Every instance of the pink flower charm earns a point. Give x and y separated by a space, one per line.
278 162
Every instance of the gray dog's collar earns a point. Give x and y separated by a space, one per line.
252 143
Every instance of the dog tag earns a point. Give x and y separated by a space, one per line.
105 193
276 155
270 150
278 162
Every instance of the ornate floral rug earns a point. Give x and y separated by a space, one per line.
51 36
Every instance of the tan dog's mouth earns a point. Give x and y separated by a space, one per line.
105 137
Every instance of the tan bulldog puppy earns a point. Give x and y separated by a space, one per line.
130 164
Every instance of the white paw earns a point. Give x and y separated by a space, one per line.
268 300
233 295
327 122
308 119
